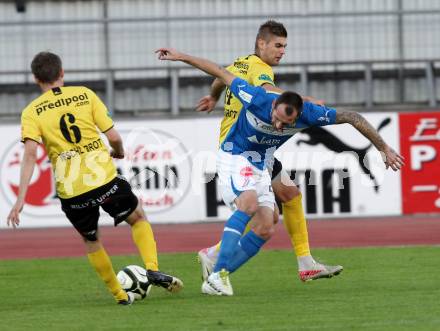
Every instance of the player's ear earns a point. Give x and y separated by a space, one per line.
62 73
261 43
36 80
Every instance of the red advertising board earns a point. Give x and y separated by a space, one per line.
420 145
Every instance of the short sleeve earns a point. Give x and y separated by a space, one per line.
29 127
246 93
261 74
100 112
316 115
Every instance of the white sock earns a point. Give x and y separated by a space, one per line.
306 263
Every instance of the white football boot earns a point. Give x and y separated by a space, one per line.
318 271
218 284
206 263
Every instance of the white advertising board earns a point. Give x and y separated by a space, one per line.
171 167
345 173
163 163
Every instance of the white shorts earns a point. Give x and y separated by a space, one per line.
236 174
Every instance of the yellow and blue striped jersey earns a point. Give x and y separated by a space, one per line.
66 120
251 69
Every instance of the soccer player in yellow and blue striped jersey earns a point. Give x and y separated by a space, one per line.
256 69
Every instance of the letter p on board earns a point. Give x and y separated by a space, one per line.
421 154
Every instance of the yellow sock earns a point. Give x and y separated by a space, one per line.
103 266
295 222
143 237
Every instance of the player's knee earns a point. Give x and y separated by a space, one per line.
287 193
265 231
136 216
251 208
90 236
248 202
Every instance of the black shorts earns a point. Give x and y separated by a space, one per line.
115 197
276 168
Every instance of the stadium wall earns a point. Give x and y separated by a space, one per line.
108 46
319 31
171 166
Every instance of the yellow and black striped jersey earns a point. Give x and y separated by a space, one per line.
66 120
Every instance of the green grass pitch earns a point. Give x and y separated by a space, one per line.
380 289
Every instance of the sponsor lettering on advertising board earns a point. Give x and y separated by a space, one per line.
420 145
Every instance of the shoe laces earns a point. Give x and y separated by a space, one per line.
224 277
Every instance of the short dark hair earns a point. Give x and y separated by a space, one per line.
271 28
46 67
292 100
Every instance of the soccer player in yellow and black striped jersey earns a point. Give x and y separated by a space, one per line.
68 121
270 45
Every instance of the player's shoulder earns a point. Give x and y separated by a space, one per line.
31 109
317 114
261 70
244 58
308 109
72 89
243 84
256 61
249 61
28 110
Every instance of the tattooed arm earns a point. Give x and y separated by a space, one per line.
391 158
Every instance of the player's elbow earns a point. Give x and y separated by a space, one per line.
30 156
226 77
350 117
113 136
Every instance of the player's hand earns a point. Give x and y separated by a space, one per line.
13 217
169 54
392 159
206 104
116 155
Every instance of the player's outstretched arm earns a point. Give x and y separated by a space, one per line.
207 66
391 158
26 171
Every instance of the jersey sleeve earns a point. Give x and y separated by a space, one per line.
100 113
29 128
246 93
261 74
316 115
